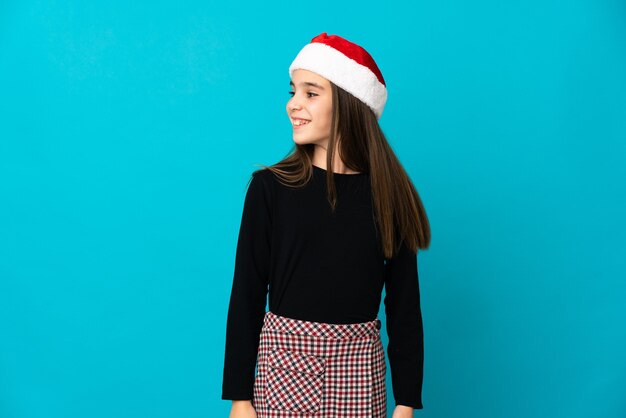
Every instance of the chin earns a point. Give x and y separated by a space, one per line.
309 138
302 141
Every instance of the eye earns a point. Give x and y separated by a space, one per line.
291 93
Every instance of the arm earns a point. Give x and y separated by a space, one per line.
404 328
248 296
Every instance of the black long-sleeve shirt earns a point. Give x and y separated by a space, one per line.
323 267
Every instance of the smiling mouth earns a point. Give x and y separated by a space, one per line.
299 122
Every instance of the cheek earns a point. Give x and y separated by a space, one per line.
324 112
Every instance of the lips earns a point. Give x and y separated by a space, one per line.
298 123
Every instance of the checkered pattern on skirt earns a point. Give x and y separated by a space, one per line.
317 369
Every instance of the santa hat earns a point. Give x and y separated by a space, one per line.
347 65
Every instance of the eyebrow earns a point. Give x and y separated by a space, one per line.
308 83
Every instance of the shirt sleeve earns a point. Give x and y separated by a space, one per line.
248 296
404 328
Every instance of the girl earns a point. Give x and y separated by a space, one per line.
323 231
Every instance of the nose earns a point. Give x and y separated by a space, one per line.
293 104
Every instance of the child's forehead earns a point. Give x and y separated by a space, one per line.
305 77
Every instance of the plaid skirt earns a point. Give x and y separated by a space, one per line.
317 369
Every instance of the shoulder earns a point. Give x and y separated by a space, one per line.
262 184
278 179
269 178
263 173
262 176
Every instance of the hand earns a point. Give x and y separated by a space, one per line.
242 409
402 411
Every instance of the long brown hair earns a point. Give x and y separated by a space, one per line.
398 209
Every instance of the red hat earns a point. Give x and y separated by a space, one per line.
347 65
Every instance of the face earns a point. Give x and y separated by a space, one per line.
311 107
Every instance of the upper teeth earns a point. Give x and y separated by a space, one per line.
300 122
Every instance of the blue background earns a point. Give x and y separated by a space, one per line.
128 131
